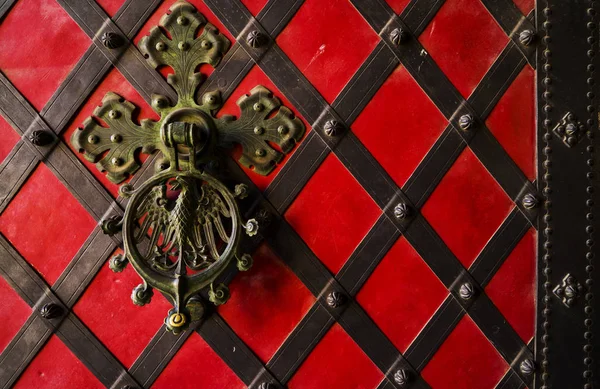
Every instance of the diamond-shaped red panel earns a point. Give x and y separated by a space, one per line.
513 287
328 41
413 294
513 121
113 82
110 6
464 40
197 366
13 314
332 213
467 207
46 224
9 138
398 5
123 327
399 125
257 77
39 45
526 6
266 303
466 360
336 362
254 6
55 367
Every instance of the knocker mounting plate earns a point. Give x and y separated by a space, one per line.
182 227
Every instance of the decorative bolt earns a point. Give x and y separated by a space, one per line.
466 291
141 295
113 114
251 227
529 201
111 40
258 107
116 161
161 46
93 139
259 130
112 225
183 46
282 130
116 138
211 99
219 294
241 191
159 102
256 39
40 138
263 217
182 20
401 377
117 263
332 127
527 367
335 299
526 37
244 262
260 152
205 44
466 122
51 311
398 36
401 211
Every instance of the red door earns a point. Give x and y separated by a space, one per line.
423 188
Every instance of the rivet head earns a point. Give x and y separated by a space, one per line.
205 44
258 107
261 152
526 37
259 130
332 127
161 46
398 36
401 211
111 40
183 46
282 130
159 102
116 138
527 367
116 161
466 291
182 20
401 377
93 139
335 299
256 39
40 138
51 311
113 114
529 201
466 122
211 99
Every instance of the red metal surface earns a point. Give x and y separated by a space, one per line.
46 224
39 45
332 213
513 122
254 6
266 304
386 132
402 294
467 207
55 367
526 6
13 314
336 362
466 360
197 366
257 77
398 5
9 139
123 327
513 288
335 42
110 6
464 40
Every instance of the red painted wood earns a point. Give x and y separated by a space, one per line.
9 138
197 366
256 311
327 41
46 224
110 6
466 360
467 207
113 82
513 122
513 287
412 294
257 77
13 314
526 6
398 5
332 213
39 45
254 6
399 125
464 40
55 367
336 362
124 328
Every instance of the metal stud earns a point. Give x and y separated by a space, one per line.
398 36
111 40
466 291
401 211
40 138
466 122
527 367
332 127
401 377
51 311
335 299
526 37
529 201
256 39
161 46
